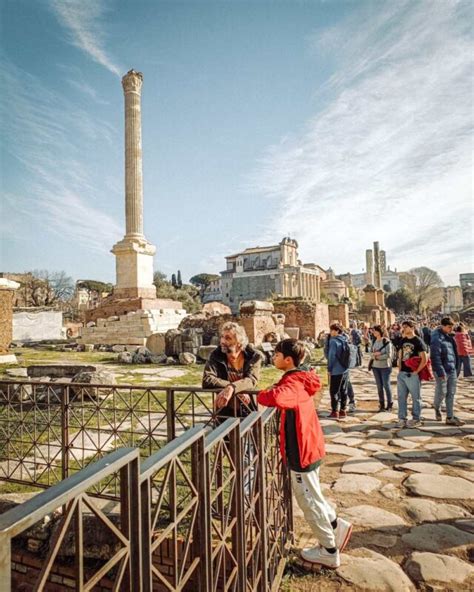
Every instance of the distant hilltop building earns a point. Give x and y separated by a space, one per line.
260 273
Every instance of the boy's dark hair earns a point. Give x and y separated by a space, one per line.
292 348
445 321
336 327
408 323
378 328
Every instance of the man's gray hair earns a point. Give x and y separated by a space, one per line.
238 331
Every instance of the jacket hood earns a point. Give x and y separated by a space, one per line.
308 378
341 337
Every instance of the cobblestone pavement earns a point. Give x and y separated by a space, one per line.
408 492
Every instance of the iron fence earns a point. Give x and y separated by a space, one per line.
48 431
202 513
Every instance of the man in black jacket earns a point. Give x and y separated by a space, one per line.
234 367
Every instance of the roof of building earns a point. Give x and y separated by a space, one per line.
253 250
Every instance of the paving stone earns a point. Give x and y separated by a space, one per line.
345 450
444 447
374 518
469 475
369 570
406 454
384 417
421 467
383 540
439 486
379 434
433 567
423 510
387 456
347 441
414 435
457 461
373 447
390 491
441 428
403 443
437 537
362 466
356 484
465 524
331 429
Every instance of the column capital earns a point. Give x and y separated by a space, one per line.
132 81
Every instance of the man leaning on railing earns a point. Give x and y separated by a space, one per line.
234 366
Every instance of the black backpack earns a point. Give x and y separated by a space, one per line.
344 357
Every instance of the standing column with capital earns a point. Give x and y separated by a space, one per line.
134 254
132 88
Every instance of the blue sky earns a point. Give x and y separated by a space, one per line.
337 122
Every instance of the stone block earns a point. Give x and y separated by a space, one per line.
156 343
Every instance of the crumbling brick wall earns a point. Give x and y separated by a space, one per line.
6 319
310 317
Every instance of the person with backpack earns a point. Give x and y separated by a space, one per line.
444 357
381 364
339 355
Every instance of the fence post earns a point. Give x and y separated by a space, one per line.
5 563
135 525
262 499
170 418
65 399
237 506
130 515
145 495
202 535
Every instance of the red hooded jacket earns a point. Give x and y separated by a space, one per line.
295 390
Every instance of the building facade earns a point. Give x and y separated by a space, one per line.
261 273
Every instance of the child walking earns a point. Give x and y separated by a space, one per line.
302 449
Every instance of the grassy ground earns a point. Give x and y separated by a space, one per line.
130 373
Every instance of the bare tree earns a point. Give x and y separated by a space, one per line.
426 290
49 288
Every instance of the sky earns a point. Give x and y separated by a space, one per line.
335 122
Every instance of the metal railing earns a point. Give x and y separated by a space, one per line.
72 496
48 431
209 510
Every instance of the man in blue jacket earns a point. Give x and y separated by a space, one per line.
444 359
338 374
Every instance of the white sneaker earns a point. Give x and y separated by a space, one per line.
343 533
321 556
402 423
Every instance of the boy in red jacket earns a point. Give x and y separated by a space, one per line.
302 449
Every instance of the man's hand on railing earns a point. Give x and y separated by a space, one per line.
223 398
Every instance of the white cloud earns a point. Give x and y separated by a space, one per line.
48 134
82 19
388 157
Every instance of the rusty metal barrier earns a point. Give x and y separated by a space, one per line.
72 496
48 431
214 502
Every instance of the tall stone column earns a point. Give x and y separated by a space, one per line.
132 88
377 270
134 254
369 267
